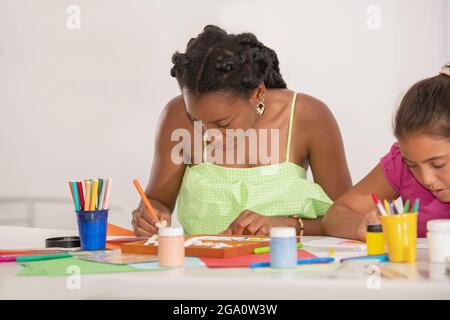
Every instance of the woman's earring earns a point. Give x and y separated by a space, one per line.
260 108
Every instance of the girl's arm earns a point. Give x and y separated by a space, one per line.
350 211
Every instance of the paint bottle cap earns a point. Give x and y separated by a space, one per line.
170 232
438 225
376 227
63 242
282 232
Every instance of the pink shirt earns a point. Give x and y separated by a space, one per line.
405 184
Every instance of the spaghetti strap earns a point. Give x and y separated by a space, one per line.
291 119
205 149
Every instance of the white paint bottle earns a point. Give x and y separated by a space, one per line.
438 237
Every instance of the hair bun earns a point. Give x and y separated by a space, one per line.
247 40
248 82
224 65
180 59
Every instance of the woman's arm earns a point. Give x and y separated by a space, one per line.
326 152
166 175
350 212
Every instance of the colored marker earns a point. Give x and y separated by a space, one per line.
331 252
378 204
380 257
406 208
416 206
71 192
107 192
87 202
299 262
94 195
267 249
386 206
75 196
80 194
43 257
7 258
99 191
391 207
145 200
398 204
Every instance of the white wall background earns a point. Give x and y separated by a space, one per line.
82 103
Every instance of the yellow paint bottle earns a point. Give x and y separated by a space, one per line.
375 240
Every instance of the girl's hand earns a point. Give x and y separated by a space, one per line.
252 223
369 218
144 225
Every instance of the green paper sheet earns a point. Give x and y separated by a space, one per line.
60 267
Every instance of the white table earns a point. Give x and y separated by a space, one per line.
430 281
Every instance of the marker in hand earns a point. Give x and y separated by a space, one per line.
159 224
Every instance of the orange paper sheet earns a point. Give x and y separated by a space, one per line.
115 230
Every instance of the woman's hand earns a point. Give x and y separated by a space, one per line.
144 225
369 218
252 223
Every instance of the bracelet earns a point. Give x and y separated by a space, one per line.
300 221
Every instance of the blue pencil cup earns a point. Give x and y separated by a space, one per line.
92 228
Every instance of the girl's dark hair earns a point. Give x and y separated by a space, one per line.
216 61
425 108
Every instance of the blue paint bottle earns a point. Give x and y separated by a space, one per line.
283 248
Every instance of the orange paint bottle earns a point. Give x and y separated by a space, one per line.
171 247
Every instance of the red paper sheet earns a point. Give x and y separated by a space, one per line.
246 260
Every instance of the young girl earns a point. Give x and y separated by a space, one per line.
416 167
230 82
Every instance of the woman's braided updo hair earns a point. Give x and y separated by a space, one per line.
216 61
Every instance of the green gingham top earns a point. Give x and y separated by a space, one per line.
212 196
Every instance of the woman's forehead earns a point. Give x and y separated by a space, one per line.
212 107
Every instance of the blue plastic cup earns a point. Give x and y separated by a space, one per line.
92 228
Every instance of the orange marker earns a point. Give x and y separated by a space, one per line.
145 200
87 197
71 191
